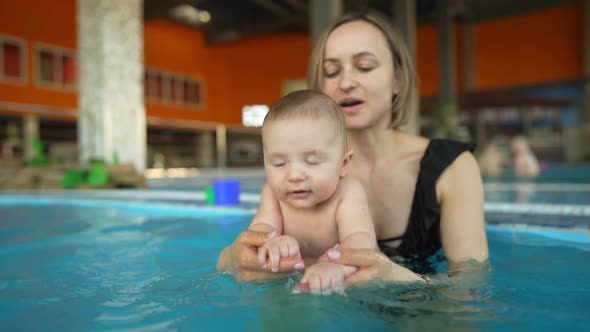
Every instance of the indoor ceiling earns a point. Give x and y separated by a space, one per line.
228 20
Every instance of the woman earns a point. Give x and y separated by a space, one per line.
423 194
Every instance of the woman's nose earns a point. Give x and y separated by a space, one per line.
347 80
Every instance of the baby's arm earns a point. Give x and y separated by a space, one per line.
325 277
355 230
355 225
269 219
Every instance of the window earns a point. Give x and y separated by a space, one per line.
172 89
12 59
56 67
253 115
177 95
165 87
192 92
152 91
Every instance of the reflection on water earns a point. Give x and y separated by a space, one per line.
89 268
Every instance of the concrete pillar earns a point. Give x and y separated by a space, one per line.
527 121
585 137
110 55
446 41
468 77
404 16
480 129
30 131
447 94
322 13
206 149
572 143
468 56
221 140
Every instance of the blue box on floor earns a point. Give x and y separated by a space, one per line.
226 192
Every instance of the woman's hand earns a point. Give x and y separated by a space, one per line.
241 258
372 266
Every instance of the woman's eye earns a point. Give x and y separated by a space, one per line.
330 74
365 68
331 71
278 164
313 162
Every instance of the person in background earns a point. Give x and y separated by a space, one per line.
424 194
308 201
490 160
524 162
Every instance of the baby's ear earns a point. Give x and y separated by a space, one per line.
345 162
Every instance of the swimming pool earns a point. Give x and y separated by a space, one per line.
99 264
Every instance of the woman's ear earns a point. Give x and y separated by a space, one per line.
345 162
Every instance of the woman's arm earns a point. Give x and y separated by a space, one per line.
462 232
240 259
462 226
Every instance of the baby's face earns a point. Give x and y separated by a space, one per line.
304 160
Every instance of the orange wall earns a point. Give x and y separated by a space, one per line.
254 69
427 59
35 22
542 46
539 47
249 71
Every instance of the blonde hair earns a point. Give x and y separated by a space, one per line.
308 104
404 70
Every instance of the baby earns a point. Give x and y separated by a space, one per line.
308 201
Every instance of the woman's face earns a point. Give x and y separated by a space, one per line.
359 74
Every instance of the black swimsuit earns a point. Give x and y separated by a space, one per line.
422 237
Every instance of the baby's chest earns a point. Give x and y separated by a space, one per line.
314 235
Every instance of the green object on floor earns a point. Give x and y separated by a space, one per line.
209 196
72 178
39 159
97 176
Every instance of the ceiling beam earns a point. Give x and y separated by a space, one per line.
484 10
298 5
271 7
229 34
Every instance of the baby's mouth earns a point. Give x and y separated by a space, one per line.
299 193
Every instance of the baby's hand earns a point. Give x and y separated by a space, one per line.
276 248
325 277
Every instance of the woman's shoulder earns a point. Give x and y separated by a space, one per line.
412 141
411 144
462 170
436 150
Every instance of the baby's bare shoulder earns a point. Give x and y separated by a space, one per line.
350 186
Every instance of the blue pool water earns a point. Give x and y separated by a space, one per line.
550 173
101 265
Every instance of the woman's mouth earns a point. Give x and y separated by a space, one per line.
350 105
